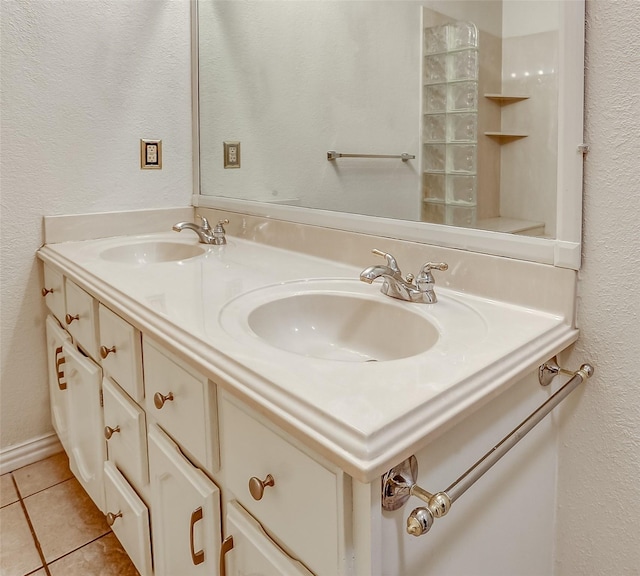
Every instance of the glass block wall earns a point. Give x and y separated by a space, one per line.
450 124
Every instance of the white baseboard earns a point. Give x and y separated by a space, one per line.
29 452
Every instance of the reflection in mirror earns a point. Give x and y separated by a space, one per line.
468 87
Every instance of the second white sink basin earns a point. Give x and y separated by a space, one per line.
342 320
151 252
344 327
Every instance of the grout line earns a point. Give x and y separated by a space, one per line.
80 547
47 488
31 528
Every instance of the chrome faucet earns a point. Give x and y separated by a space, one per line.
396 286
205 234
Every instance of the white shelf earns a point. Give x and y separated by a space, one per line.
504 99
506 136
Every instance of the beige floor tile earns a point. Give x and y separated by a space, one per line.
40 572
103 557
43 474
18 553
64 518
8 494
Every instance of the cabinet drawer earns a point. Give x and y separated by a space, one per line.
128 518
121 352
182 402
253 551
301 508
81 318
53 292
125 430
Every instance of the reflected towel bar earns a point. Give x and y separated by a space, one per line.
399 483
333 155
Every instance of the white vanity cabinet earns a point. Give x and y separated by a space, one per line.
75 379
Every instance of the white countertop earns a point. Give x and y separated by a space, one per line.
365 417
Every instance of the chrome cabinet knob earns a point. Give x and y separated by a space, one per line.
104 351
159 399
257 486
68 318
111 517
108 431
46 291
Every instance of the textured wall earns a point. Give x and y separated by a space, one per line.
599 492
81 83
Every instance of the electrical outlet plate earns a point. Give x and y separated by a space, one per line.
150 154
231 154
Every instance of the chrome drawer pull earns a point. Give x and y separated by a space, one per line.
68 318
111 517
104 351
159 399
108 431
257 486
196 557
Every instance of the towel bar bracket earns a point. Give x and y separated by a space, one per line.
399 483
549 370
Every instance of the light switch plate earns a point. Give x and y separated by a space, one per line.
150 154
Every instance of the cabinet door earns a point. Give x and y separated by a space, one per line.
253 551
129 519
185 508
56 337
86 427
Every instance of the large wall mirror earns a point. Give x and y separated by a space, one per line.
455 122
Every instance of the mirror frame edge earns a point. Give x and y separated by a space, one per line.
564 251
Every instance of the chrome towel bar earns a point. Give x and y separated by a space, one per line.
333 155
399 484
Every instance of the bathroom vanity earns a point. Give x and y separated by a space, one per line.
231 409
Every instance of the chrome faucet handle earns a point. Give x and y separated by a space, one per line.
425 280
205 222
219 233
391 261
442 266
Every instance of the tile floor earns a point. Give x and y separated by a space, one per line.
50 527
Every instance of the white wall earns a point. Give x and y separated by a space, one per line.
599 484
82 81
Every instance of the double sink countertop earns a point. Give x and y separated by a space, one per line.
364 416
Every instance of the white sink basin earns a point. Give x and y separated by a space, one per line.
342 320
345 327
151 252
